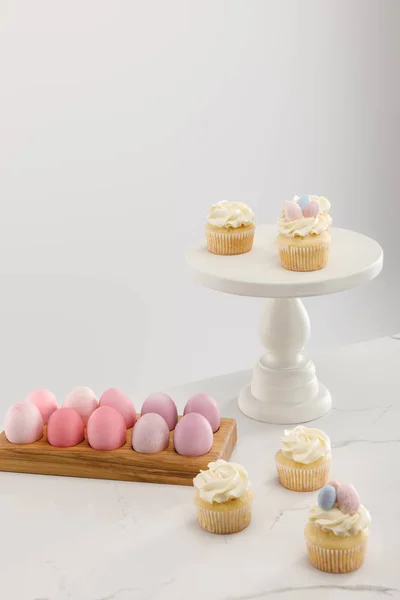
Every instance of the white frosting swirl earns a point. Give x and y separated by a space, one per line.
222 481
338 522
305 444
307 225
230 215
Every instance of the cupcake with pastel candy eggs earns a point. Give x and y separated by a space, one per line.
304 459
223 498
337 530
304 237
230 228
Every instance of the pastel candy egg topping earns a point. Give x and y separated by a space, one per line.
311 209
292 211
327 497
348 498
303 201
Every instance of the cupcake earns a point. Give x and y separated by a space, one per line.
337 530
304 237
223 498
304 459
230 228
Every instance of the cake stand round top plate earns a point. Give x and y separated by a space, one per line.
354 259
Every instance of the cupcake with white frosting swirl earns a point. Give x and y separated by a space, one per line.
304 238
230 228
337 530
304 459
223 497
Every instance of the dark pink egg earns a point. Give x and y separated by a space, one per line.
23 424
163 405
204 405
45 401
121 402
150 434
193 435
65 428
106 429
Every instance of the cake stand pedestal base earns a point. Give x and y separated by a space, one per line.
284 388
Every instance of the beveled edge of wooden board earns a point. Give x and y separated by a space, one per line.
123 464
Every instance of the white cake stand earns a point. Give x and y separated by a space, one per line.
285 388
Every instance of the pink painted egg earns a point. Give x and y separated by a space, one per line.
293 211
45 401
23 424
334 484
150 434
204 405
348 498
106 429
193 435
83 400
163 405
65 428
312 209
121 402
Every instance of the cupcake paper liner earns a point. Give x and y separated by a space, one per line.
307 258
230 242
303 480
224 522
343 560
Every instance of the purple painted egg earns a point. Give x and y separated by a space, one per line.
312 209
193 435
206 406
348 498
292 211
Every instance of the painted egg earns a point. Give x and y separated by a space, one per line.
334 484
206 406
327 497
65 428
23 424
83 400
193 435
292 211
303 201
106 429
348 498
163 405
312 209
150 434
45 401
121 402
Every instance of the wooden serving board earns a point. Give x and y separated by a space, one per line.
123 464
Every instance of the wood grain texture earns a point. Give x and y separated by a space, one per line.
123 464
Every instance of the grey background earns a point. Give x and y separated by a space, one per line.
121 122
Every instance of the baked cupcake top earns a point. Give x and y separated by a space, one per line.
305 444
339 510
305 215
222 481
230 215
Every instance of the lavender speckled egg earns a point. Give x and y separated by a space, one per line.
193 435
121 402
327 497
206 406
106 429
150 434
23 423
292 211
348 498
163 405
334 484
303 201
311 209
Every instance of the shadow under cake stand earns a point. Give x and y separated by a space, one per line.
284 388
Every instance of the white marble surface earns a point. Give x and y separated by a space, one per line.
98 540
